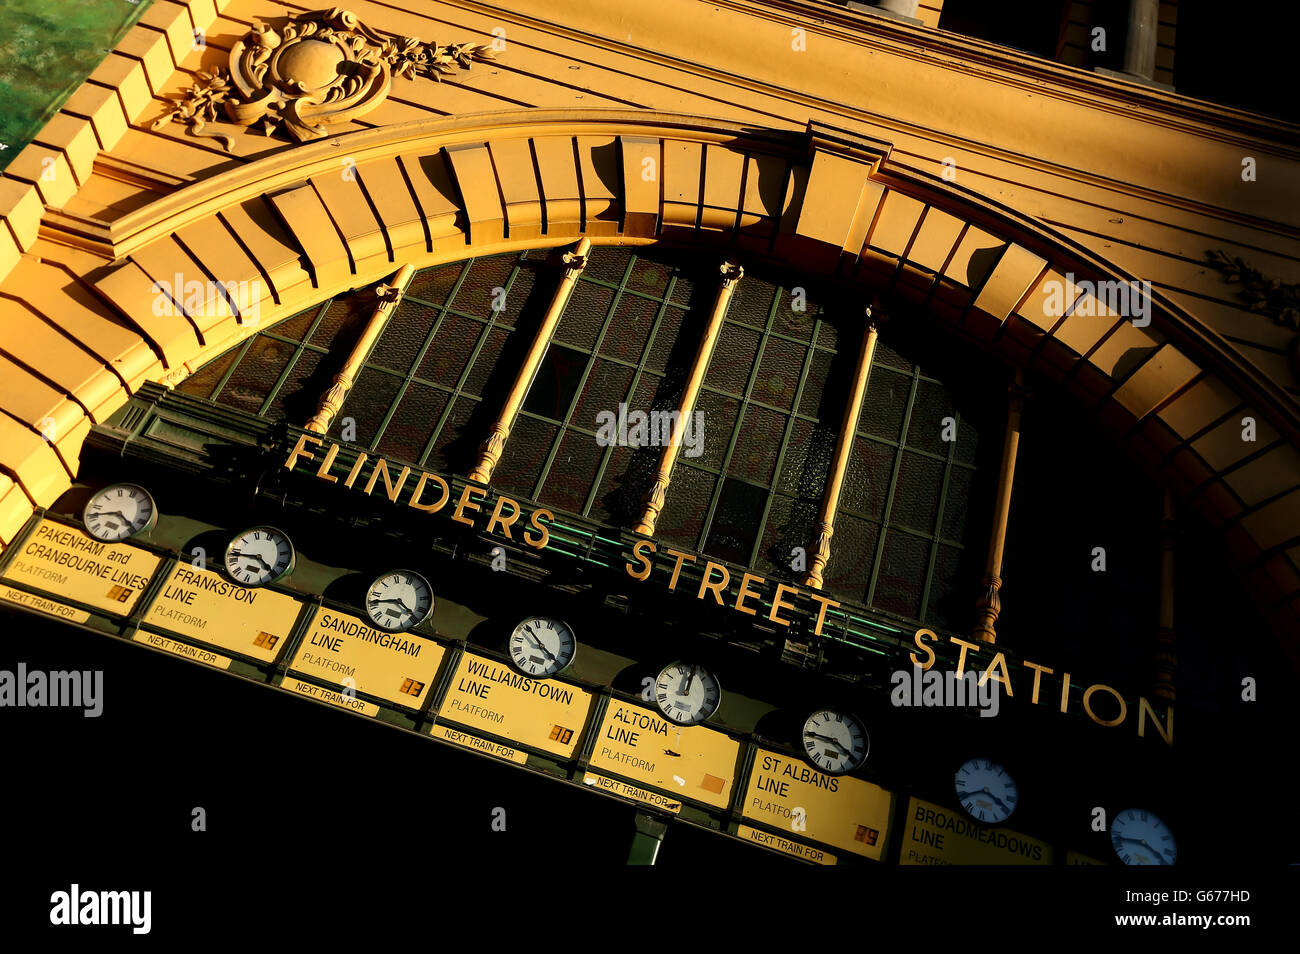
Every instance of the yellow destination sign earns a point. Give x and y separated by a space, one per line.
32 601
943 836
688 761
479 745
182 649
631 791
543 713
399 667
778 843
836 810
329 695
207 606
64 560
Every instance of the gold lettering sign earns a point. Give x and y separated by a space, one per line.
835 810
943 836
688 761
182 649
399 667
32 601
479 745
329 695
65 560
779 843
624 790
543 713
206 606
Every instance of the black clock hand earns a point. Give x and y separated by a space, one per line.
689 679
832 740
538 643
1138 841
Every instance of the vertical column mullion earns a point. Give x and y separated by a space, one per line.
937 528
893 483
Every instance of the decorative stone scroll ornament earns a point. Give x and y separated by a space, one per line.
1277 300
318 70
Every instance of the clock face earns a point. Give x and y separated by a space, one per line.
541 646
834 742
118 512
259 556
399 600
686 693
1140 838
986 791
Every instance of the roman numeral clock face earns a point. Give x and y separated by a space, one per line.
986 791
1140 838
259 556
834 742
399 600
541 646
118 512
686 693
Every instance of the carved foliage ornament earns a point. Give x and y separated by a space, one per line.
1278 300
317 70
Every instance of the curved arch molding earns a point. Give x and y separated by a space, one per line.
310 222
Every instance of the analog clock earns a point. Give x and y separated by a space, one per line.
259 556
118 512
834 742
399 600
686 693
1140 838
541 646
986 791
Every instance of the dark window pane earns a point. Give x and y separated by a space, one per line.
475 296
525 453
807 459
572 472
790 524
885 404
450 350
584 314
714 421
853 550
758 442
955 504
778 373
412 423
751 301
630 329
403 337
296 327
607 264
367 403
888 356
967 441
556 383
669 343
828 335
202 381
485 363
949 604
257 373
867 480
788 321
455 448
916 494
343 321
299 396
926 425
435 284
733 359
621 489
687 502
524 300
607 387
902 574
814 396
735 522
649 277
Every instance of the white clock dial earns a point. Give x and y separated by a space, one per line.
986 791
541 646
834 742
1140 838
399 600
118 512
259 556
686 693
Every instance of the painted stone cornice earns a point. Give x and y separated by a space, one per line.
1276 300
316 70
